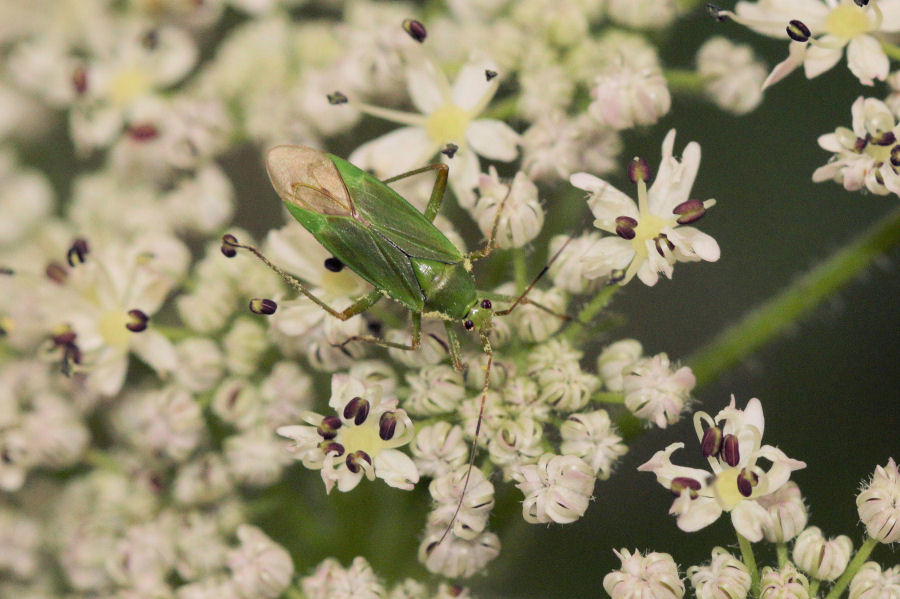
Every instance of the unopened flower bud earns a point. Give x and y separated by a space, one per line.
878 504
821 558
871 582
787 513
260 567
654 575
786 583
725 577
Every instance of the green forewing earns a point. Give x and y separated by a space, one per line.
398 221
366 253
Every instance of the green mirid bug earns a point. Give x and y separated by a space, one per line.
371 229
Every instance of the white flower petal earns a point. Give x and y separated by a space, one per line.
867 60
493 139
587 182
673 182
694 514
156 350
796 56
819 59
396 152
426 86
748 518
770 18
396 469
692 244
471 89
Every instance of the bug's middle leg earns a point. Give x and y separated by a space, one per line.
414 343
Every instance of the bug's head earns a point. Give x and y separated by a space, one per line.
480 317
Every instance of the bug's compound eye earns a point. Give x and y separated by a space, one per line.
333 264
486 304
469 325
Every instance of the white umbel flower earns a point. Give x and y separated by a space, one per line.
654 575
787 513
821 558
439 448
656 392
731 73
332 581
557 489
455 557
732 445
866 156
260 567
616 360
360 441
449 115
630 90
831 26
522 216
642 14
593 438
878 504
472 517
786 583
871 582
649 237
725 577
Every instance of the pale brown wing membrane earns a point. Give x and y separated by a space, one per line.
308 178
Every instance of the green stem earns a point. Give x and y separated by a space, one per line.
684 81
520 269
781 312
173 333
892 50
293 592
608 397
814 587
587 314
781 551
858 560
750 562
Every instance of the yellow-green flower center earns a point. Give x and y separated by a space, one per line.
364 437
127 85
447 123
726 489
847 21
879 153
649 227
112 328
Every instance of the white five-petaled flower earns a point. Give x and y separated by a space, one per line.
731 444
866 156
649 238
361 440
830 25
449 115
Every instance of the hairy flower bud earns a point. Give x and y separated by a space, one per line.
725 577
878 504
821 558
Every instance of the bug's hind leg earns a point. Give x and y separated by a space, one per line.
360 305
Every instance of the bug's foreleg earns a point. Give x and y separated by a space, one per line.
360 305
491 243
486 346
414 343
454 347
437 192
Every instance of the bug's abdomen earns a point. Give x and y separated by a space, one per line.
448 288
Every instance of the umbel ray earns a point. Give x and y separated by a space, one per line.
369 228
